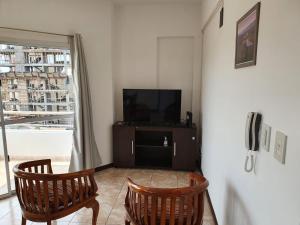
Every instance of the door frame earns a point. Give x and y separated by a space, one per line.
6 158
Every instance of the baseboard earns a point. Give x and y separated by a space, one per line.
104 167
211 207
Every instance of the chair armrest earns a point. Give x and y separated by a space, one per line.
197 179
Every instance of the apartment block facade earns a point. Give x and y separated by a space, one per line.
35 79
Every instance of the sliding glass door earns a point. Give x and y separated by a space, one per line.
5 187
37 108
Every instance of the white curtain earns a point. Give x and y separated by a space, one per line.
85 153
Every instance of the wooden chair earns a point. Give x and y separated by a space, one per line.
166 206
45 196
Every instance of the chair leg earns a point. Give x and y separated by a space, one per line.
95 212
127 220
95 207
23 221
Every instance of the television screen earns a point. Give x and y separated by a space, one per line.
150 105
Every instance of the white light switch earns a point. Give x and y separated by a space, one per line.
265 137
280 147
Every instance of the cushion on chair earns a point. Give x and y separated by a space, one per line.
60 194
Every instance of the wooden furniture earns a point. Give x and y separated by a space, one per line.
45 196
143 146
166 206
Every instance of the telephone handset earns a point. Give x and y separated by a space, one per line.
252 137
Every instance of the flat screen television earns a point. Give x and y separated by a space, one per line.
152 106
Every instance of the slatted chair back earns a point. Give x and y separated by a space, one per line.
44 196
166 206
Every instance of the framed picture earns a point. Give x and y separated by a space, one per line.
246 38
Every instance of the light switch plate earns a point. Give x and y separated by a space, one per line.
265 137
280 147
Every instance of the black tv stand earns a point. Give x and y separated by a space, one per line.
143 146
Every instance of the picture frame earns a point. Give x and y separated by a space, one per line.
247 38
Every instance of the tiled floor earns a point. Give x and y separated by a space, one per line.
112 190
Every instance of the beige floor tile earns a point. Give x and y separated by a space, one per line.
8 205
67 218
107 199
141 181
165 180
117 216
53 223
78 218
11 219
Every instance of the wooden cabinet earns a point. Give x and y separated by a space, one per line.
184 148
123 146
144 147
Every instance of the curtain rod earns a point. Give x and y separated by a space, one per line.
40 32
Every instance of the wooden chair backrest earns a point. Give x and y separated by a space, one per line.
152 206
33 179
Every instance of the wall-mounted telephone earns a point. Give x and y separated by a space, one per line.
253 125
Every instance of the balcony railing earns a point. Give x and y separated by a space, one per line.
37 103
34 57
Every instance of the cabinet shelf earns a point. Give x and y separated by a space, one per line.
153 146
153 156
150 150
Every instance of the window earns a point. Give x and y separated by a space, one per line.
38 104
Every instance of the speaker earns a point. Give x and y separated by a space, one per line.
189 119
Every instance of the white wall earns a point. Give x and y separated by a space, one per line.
138 27
91 18
271 196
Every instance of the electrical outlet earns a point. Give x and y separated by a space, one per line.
265 137
280 147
